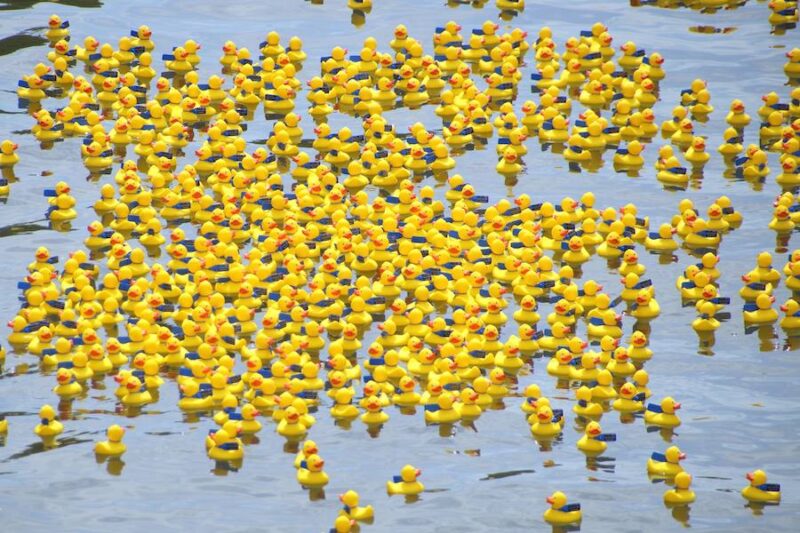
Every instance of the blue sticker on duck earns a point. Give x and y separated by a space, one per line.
654 408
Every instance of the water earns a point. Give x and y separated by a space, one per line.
739 395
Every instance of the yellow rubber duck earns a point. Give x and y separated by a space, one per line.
67 386
666 464
49 427
57 29
113 447
561 512
406 483
291 424
546 423
225 446
375 414
443 411
663 414
351 509
8 154
662 240
792 67
696 154
137 393
681 494
783 12
509 163
760 311
759 490
310 473
737 117
593 442
584 406
791 319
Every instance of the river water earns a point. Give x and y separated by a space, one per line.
739 395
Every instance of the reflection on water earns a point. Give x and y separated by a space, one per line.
26 4
44 445
21 229
9 45
501 475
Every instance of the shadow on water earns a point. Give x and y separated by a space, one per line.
9 45
501 475
39 447
25 4
21 229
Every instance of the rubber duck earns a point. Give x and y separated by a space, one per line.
310 473
406 483
754 287
443 411
696 153
791 319
620 364
291 425
406 395
113 447
759 490
584 406
681 494
663 414
669 127
645 306
781 220
351 509
249 425
561 512
225 445
8 154
593 442
67 385
772 128
662 240
546 424
737 117
731 143
509 163
57 29
62 204
375 414
343 408
136 394
629 158
638 349
604 390
49 426
792 67
760 311
792 271
752 165
784 12
701 107
666 464
790 175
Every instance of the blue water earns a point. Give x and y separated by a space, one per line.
739 396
